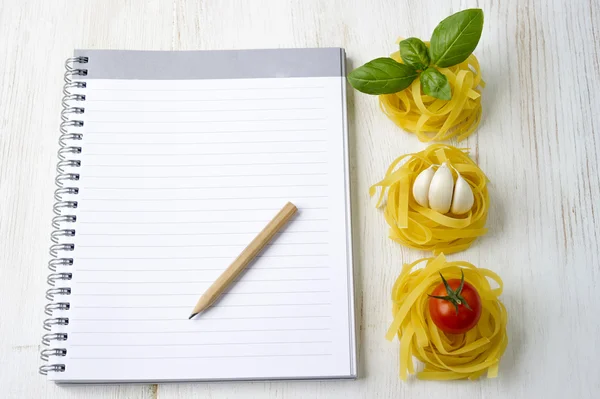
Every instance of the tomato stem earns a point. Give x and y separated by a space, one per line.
452 296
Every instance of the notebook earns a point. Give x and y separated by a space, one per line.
170 164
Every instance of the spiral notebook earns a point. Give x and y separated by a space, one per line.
170 163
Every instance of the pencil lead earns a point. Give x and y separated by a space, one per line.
193 314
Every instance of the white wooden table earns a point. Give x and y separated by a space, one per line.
538 142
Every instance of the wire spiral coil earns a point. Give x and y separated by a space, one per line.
60 264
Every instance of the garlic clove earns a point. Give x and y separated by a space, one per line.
463 198
421 185
441 189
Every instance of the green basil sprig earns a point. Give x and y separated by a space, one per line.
435 84
382 76
451 43
455 38
414 53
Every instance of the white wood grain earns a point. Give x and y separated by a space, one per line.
538 143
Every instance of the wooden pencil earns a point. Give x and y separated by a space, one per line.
248 254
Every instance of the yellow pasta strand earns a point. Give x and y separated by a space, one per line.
432 119
423 228
447 356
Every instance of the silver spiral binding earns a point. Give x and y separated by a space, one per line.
71 163
53 263
51 307
54 236
51 367
59 192
46 353
62 223
46 338
58 321
57 220
53 277
59 205
54 249
57 291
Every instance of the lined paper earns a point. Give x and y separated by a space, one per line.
177 177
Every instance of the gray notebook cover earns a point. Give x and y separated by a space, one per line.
218 64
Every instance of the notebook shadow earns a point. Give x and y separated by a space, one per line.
355 218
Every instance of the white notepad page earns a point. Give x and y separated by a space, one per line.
176 178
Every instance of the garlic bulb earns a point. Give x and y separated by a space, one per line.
441 189
438 191
463 199
421 185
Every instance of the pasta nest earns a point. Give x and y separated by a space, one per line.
423 228
447 356
432 119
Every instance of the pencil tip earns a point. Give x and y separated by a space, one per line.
193 314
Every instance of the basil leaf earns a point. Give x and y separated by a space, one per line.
435 84
455 38
414 53
382 76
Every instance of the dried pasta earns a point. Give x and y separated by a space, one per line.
447 356
432 119
423 228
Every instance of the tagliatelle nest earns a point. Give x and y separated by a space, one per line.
432 119
423 228
447 356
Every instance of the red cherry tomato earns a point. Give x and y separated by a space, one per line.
447 298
